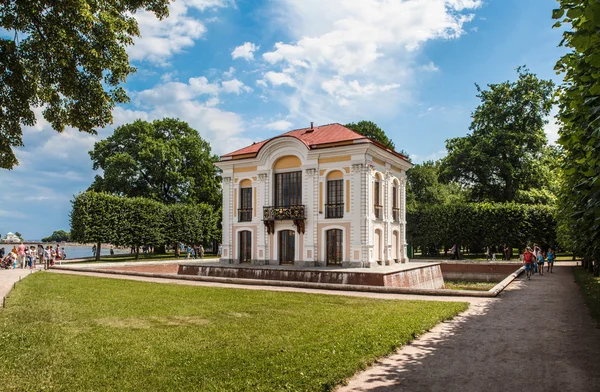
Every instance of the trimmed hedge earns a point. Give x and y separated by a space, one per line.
477 225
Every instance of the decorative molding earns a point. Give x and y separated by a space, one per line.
311 172
263 177
226 180
357 168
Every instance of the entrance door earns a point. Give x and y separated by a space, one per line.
335 247
377 245
395 245
287 246
245 249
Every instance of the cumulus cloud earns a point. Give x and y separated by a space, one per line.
280 125
234 86
161 39
245 51
355 55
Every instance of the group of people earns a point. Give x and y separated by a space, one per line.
194 252
535 258
28 257
491 252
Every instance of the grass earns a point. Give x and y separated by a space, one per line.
464 285
590 288
75 333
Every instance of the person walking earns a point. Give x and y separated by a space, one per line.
528 260
47 256
21 255
551 257
505 252
201 253
540 261
454 252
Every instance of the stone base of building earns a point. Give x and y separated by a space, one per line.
413 275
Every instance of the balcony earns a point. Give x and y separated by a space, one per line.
396 214
245 215
296 213
378 211
334 210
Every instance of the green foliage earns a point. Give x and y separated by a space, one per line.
114 335
58 236
192 223
373 131
502 156
481 224
590 288
424 186
95 218
19 235
136 221
579 116
68 57
165 160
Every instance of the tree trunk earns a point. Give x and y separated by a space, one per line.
176 249
98 245
137 252
160 250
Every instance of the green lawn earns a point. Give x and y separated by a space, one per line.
464 285
75 333
590 287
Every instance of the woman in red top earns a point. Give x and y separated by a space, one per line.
528 259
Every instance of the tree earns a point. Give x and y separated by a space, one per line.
374 132
96 218
67 57
19 235
165 160
58 236
424 186
579 116
191 224
501 156
141 222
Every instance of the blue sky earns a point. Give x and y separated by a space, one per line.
244 70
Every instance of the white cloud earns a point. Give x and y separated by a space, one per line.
245 51
229 73
235 86
430 67
176 91
278 78
280 125
364 53
161 39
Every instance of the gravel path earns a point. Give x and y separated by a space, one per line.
537 337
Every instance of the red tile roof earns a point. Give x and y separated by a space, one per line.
315 138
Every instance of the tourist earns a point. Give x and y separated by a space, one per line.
112 251
63 254
488 253
551 257
505 255
454 252
41 255
201 254
529 261
94 250
21 255
52 255
2 253
48 256
540 260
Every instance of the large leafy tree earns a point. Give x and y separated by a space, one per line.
501 156
65 56
164 160
424 186
58 236
579 114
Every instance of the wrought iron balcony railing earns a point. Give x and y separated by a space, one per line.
334 210
378 211
284 213
396 214
245 215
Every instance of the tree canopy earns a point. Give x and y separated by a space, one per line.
502 155
58 236
67 57
372 131
164 160
424 186
579 116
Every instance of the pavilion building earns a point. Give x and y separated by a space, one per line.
318 196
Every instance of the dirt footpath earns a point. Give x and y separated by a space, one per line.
537 337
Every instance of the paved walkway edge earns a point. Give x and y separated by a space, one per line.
325 286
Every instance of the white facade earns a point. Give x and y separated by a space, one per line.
359 232
11 237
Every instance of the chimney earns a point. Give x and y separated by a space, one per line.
312 125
